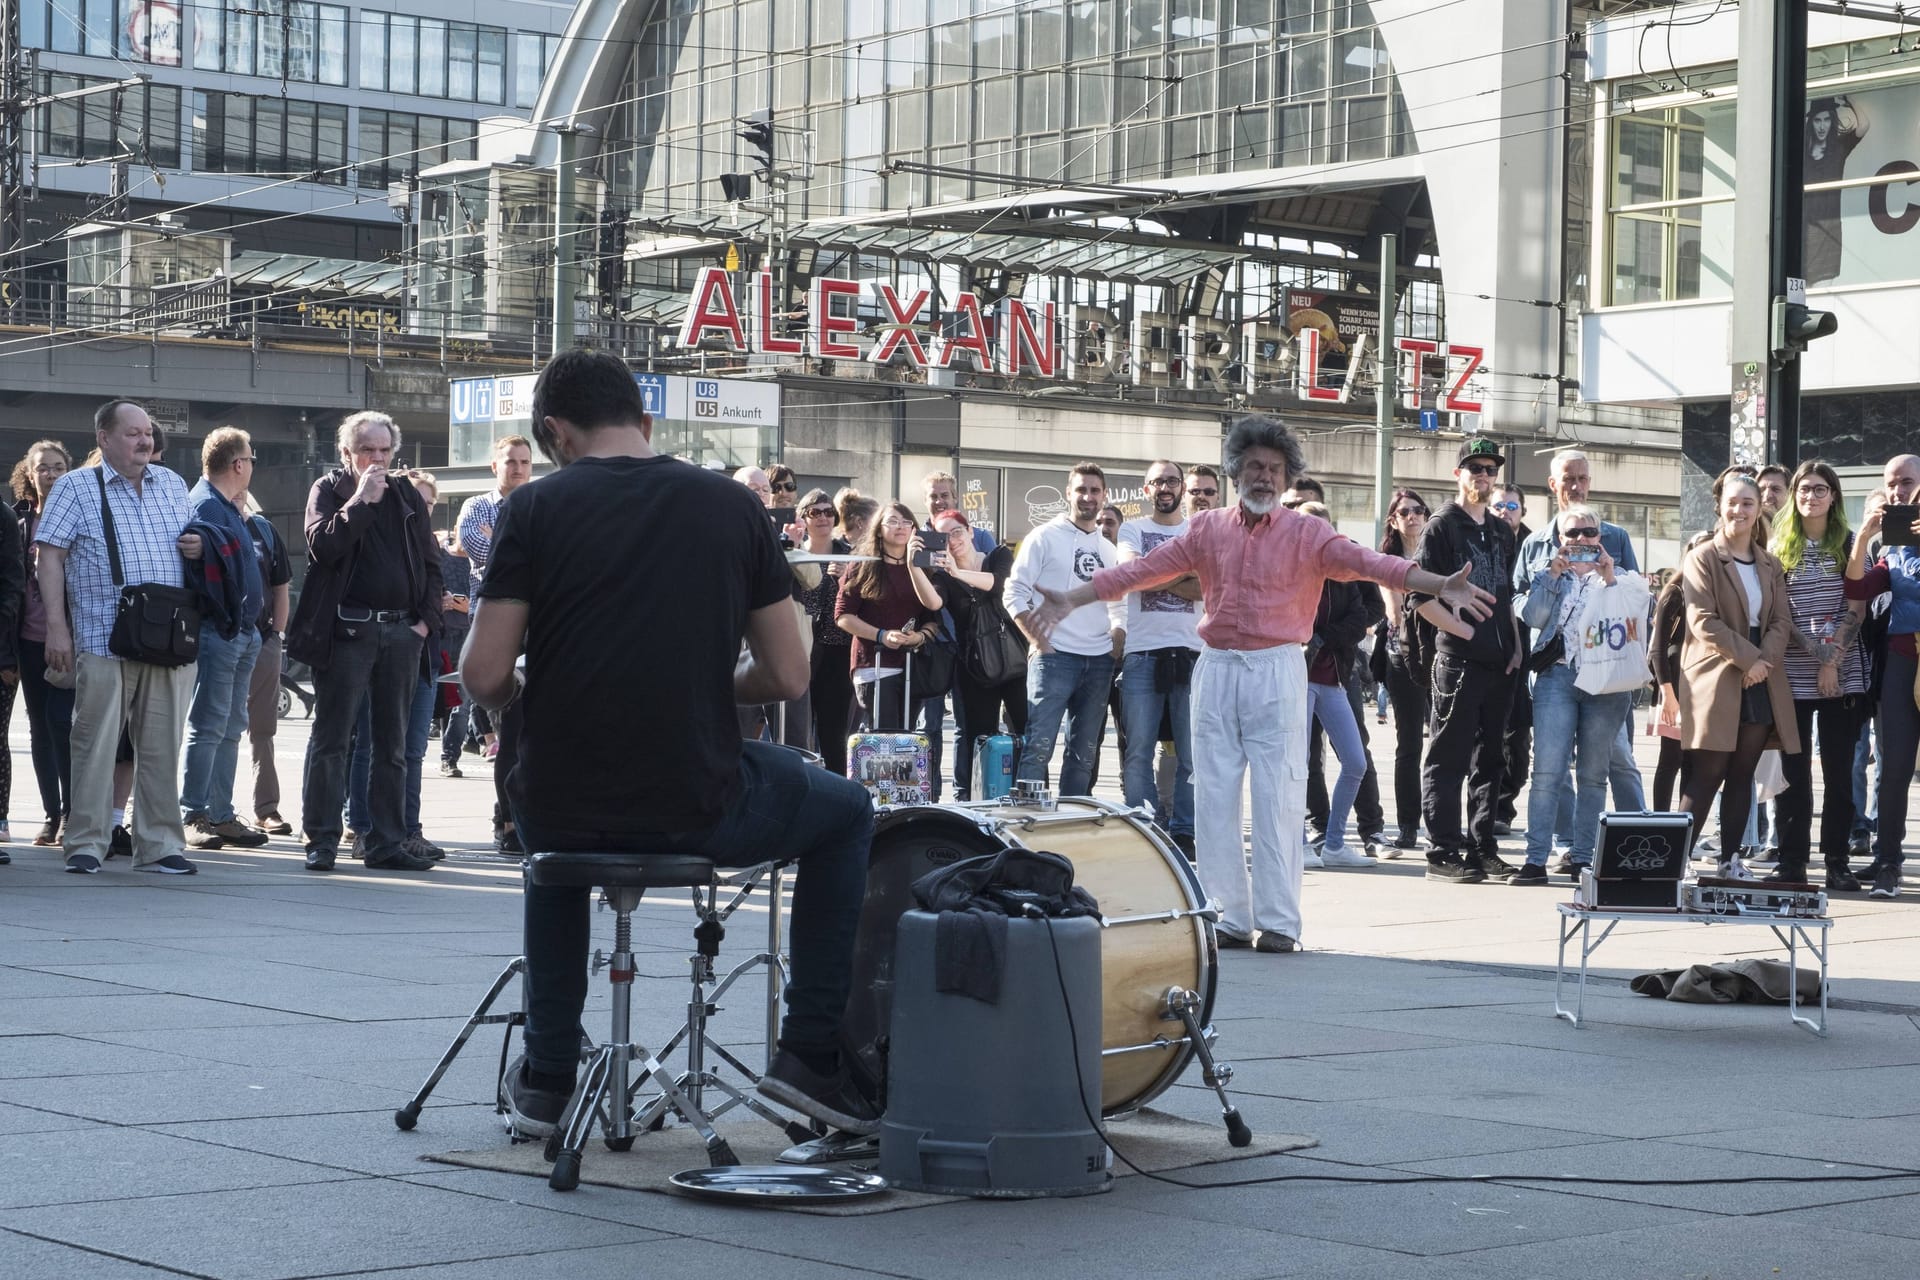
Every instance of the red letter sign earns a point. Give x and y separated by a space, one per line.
763 319
1453 401
1024 347
899 332
712 308
966 306
826 324
1309 366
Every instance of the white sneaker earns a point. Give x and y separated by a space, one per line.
1735 868
1310 857
1345 857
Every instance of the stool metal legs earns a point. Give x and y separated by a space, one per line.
604 1095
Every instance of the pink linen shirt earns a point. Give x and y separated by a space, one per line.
1260 585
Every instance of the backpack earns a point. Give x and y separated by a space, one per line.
1417 643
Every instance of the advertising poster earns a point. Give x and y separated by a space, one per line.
1863 234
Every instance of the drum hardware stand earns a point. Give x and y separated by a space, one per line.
406 1117
703 1003
1185 1006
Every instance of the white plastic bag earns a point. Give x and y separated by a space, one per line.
1609 646
1769 778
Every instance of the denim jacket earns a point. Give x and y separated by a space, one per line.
1536 553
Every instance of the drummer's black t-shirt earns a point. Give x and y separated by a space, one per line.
638 574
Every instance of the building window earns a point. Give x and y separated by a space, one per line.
284 39
434 59
140 30
145 129
396 143
270 137
533 53
1669 194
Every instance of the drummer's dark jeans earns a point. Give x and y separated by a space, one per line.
787 807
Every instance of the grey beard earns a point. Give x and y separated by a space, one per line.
1259 506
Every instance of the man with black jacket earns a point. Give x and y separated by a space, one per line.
1473 670
371 597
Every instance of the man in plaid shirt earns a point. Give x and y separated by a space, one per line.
150 511
512 467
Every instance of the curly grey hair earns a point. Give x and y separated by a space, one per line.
1262 431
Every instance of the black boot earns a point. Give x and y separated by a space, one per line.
1786 871
1840 877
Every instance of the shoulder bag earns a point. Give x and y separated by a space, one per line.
153 623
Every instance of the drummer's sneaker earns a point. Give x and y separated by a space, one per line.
1344 857
830 1099
533 1111
1276 942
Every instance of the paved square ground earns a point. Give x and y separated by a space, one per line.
197 1078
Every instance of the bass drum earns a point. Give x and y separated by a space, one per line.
1157 936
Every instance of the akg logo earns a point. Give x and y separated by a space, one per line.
1086 562
1644 853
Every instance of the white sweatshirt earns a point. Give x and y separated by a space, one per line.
1060 556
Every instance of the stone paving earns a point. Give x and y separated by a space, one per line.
197 1078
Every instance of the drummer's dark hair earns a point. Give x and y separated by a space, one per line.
589 389
1259 430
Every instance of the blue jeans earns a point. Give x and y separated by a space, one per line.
1141 706
1071 687
824 822
216 721
1566 720
1334 710
1866 801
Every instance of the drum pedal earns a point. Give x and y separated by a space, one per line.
833 1149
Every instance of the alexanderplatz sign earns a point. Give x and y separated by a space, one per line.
1312 354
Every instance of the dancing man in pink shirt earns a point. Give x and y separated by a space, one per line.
1261 568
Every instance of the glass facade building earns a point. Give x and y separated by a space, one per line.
988 97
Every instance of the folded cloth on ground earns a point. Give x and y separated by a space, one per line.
1742 982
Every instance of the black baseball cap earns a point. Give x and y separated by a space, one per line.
1480 447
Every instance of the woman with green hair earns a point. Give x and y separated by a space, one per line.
1826 668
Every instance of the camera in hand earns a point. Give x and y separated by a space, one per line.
1583 555
1900 526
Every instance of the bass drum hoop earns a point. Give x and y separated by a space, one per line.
1013 825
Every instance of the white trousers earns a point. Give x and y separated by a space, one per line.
1250 721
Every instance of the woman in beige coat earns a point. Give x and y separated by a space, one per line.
1734 698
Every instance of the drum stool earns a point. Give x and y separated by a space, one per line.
604 1093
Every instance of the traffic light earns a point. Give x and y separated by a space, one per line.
736 186
1794 326
758 134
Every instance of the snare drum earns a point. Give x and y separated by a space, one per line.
1157 936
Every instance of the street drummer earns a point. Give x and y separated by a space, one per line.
629 738
1261 569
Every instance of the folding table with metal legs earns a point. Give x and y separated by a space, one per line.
1792 931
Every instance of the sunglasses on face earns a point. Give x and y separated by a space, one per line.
785 486
1203 493
1583 531
1506 506
821 513
1482 468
